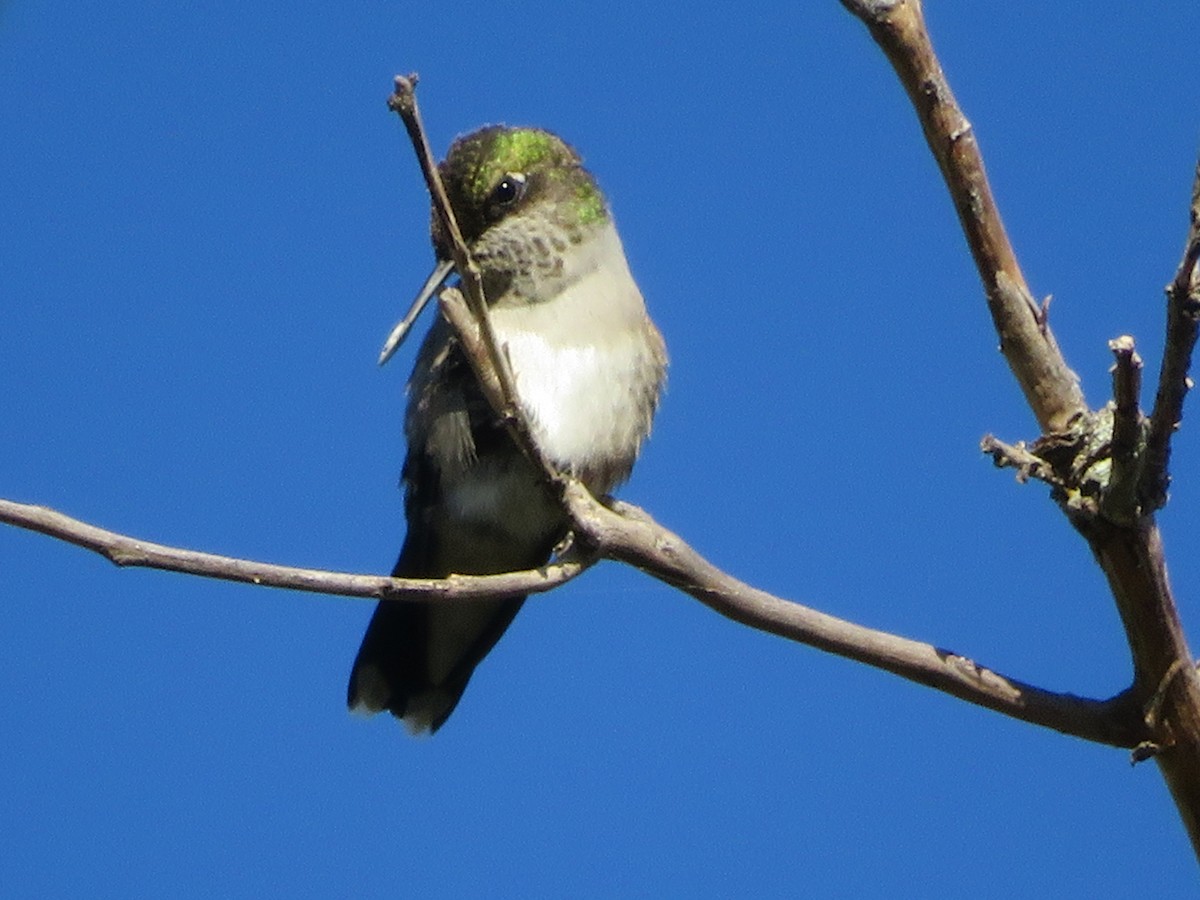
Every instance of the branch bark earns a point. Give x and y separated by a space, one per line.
473 324
1120 501
123 551
1127 547
1050 387
1183 312
630 535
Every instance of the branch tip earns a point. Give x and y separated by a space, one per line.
404 94
1183 322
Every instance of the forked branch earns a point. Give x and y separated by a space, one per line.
1120 529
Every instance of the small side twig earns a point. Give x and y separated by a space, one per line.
1017 456
1183 321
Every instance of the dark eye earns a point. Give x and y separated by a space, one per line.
509 190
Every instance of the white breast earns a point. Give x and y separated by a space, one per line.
584 401
587 363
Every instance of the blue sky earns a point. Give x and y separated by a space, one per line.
209 223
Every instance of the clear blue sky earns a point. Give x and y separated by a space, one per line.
209 222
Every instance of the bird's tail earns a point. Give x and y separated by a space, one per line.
416 658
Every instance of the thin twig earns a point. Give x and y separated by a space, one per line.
124 551
456 310
1183 312
492 364
1017 456
403 102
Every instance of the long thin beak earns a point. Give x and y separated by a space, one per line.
440 273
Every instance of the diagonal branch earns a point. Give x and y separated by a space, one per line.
629 534
1153 713
403 102
488 359
1050 387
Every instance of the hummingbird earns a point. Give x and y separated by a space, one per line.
588 365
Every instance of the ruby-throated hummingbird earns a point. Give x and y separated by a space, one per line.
588 365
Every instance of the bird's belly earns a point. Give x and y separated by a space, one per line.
583 401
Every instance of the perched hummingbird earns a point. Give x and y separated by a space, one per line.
588 365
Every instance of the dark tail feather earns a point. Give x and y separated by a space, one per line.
393 668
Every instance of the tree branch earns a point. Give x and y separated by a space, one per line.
1161 711
1050 387
630 535
1119 502
1183 311
1129 552
625 534
123 550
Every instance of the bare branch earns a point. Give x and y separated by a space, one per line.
1162 708
1050 387
1129 551
128 551
1183 312
456 310
630 535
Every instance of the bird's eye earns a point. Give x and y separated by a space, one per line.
509 190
